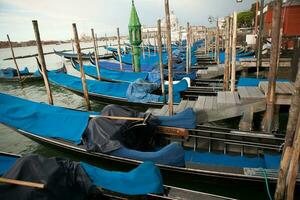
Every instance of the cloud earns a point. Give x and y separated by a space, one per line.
55 17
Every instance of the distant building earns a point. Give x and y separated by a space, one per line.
290 16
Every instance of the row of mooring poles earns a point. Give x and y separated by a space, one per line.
187 48
77 43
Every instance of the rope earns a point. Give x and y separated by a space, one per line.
267 184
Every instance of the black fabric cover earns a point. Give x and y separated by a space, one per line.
106 135
63 180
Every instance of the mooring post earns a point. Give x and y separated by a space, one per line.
289 138
187 47
233 58
83 80
256 18
161 66
230 44
294 164
205 38
170 64
218 42
190 47
72 45
148 40
275 50
119 49
42 60
96 55
260 38
227 54
14 58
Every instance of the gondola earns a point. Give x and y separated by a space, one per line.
10 75
110 75
247 174
134 187
85 56
119 93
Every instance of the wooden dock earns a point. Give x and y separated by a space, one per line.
284 91
225 105
213 71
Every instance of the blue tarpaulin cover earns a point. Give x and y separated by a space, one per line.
113 75
98 87
172 154
6 162
184 119
42 119
139 91
144 179
11 72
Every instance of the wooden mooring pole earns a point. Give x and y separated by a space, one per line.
83 80
233 47
187 47
161 66
260 38
227 56
289 139
119 49
14 58
218 42
96 54
275 50
42 60
170 64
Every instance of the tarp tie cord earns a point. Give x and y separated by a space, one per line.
266 181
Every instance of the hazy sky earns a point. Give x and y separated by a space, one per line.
55 17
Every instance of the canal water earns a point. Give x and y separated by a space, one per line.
11 141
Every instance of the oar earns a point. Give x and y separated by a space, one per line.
180 132
22 183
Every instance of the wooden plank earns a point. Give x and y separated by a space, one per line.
199 105
181 106
208 103
236 98
221 97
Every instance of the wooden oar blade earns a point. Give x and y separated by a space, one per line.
179 132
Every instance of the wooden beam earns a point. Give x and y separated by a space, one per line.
96 55
14 58
179 132
22 183
276 24
83 80
218 43
170 63
42 60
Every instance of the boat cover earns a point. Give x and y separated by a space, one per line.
140 91
42 119
66 179
111 74
11 72
6 162
113 65
184 119
63 180
208 158
144 179
172 154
